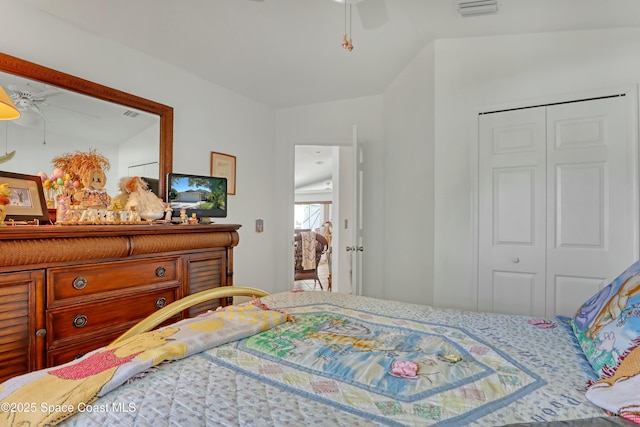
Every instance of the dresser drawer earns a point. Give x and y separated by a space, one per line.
66 284
71 352
66 325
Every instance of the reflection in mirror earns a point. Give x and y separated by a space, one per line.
62 114
55 121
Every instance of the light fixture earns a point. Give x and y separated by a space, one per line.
8 110
477 7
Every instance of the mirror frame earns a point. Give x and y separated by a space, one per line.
22 68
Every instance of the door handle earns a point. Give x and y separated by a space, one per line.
355 248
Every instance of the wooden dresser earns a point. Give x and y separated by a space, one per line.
66 290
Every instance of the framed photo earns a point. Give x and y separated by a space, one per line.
26 201
224 165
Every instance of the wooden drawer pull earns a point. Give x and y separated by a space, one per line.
80 321
161 271
80 283
161 302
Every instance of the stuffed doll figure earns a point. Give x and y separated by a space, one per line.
93 195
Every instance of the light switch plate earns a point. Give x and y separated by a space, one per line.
259 226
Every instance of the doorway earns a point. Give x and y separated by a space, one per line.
322 200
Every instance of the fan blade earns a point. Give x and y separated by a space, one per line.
41 96
373 13
27 91
74 111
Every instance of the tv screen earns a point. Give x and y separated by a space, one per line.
206 196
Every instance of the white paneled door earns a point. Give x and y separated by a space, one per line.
557 204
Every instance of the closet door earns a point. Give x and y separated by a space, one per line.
591 199
512 232
558 200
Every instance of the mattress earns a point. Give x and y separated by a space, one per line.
335 366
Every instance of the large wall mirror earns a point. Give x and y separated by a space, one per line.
61 113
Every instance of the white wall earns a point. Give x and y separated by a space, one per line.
409 181
207 118
471 74
331 124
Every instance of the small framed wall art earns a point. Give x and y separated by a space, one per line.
224 165
26 197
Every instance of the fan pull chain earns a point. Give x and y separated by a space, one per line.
347 44
350 45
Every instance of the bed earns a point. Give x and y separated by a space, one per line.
330 359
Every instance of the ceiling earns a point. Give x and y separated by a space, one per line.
313 169
287 52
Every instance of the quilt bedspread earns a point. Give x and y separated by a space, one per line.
334 366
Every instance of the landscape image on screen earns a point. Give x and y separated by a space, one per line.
199 193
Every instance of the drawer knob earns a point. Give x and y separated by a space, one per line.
80 282
161 271
40 333
80 321
161 302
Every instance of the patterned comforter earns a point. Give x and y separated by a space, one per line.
335 366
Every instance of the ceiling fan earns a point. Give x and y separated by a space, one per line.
373 13
29 100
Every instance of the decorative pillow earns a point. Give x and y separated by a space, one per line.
607 326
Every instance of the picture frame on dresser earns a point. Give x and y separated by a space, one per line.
27 202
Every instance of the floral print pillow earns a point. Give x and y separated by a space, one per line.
607 326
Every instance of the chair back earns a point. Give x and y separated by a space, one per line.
321 246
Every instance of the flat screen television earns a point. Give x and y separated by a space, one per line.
206 196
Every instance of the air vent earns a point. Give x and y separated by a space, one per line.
131 113
477 7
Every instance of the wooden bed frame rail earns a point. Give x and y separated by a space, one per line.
176 307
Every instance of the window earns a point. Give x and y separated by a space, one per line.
309 216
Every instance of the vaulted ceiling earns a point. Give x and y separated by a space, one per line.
288 52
